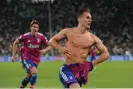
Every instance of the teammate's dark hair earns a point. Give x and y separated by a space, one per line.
34 22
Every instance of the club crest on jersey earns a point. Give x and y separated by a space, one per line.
38 40
28 40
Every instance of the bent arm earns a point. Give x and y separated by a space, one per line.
54 41
15 47
103 50
43 51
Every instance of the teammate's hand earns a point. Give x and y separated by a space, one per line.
42 52
13 58
66 52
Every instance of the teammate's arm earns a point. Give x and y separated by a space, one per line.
103 50
43 51
15 46
14 49
45 42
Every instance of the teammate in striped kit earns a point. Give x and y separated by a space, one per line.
32 42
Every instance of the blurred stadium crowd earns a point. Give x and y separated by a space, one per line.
112 20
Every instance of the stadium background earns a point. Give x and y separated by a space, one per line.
112 22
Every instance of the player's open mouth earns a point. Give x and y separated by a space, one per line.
88 24
35 31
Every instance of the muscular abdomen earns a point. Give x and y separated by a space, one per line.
78 55
79 46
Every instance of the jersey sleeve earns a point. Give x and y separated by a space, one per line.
21 38
45 40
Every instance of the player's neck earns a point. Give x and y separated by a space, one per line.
33 34
81 29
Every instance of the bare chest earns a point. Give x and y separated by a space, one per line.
80 41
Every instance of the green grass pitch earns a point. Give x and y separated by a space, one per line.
118 74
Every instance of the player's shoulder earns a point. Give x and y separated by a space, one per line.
71 29
25 34
40 34
68 29
92 35
95 37
64 31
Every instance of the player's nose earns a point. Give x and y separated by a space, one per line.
90 20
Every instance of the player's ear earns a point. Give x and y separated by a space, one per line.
30 27
79 19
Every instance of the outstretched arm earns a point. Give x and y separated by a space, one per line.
103 50
14 49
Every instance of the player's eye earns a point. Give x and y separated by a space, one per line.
88 17
35 27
